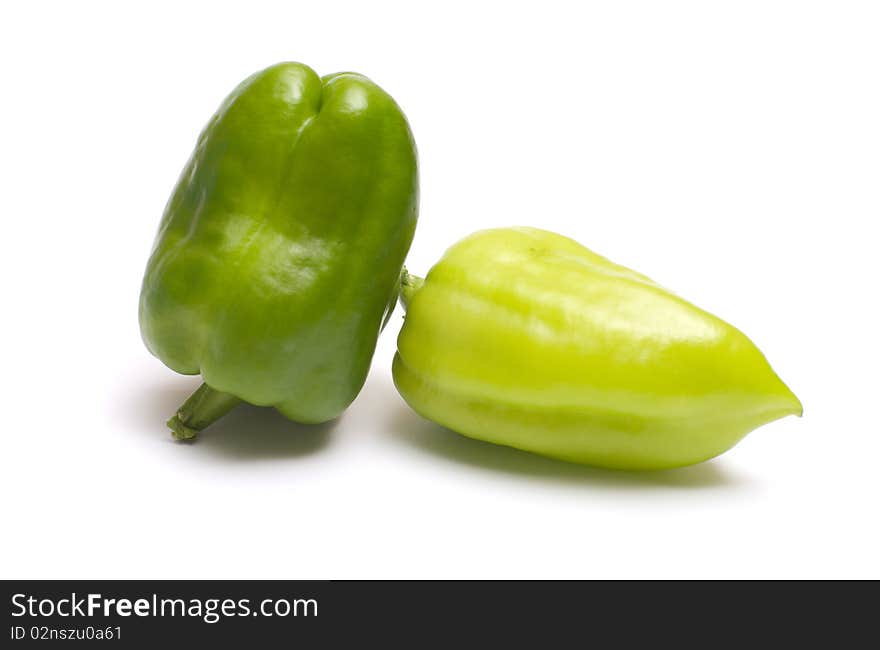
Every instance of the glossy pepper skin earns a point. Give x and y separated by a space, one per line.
526 338
279 253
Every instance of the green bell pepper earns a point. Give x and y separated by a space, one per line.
279 253
525 338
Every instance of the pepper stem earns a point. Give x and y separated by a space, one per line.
203 408
409 285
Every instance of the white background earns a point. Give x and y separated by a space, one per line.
730 150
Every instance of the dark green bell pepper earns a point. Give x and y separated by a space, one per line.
279 253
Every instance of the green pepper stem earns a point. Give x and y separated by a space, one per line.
409 285
203 408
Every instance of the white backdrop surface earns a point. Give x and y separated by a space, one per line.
728 150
